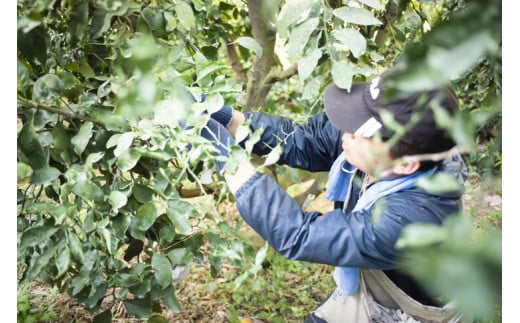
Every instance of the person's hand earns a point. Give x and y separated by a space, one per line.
223 116
220 138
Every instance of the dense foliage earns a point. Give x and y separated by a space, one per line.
108 150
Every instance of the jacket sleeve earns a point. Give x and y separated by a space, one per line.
312 146
333 238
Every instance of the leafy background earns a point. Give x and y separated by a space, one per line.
108 155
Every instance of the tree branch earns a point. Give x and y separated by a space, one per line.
278 75
265 35
235 61
71 115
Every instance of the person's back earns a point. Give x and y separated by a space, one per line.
372 180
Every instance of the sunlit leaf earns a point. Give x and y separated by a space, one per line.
439 183
420 235
308 63
299 37
357 16
273 156
128 159
123 143
23 171
342 74
373 3
178 212
117 200
185 15
81 140
353 40
251 44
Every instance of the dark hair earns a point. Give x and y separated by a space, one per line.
400 149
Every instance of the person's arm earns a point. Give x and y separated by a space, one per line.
312 146
334 238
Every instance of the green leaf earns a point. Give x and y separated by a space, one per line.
76 248
39 262
44 175
36 235
373 3
213 103
117 200
208 69
308 63
107 237
342 74
273 156
353 40
103 317
62 261
358 16
162 270
177 256
23 171
23 78
169 299
440 182
30 146
81 140
85 69
123 143
143 194
299 38
145 216
420 235
78 23
178 212
185 15
94 158
251 44
138 307
47 88
97 297
157 319
128 159
293 12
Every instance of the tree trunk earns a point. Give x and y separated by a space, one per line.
264 32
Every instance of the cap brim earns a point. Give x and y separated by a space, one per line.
347 111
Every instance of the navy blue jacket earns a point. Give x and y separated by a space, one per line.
336 238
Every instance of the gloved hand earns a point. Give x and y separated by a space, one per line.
220 138
222 116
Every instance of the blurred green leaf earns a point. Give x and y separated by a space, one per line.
440 182
358 16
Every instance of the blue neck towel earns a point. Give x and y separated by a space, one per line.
341 178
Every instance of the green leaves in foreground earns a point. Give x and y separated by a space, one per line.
450 261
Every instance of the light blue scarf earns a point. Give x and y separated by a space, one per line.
340 185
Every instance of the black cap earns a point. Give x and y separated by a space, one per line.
358 112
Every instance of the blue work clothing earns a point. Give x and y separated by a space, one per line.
351 239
